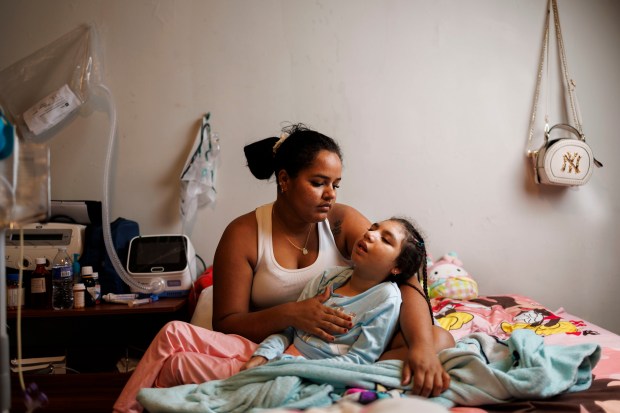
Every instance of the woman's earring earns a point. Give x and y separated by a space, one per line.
282 188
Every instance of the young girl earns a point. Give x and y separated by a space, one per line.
389 253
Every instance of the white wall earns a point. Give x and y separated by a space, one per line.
430 101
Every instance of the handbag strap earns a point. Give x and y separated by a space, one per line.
541 66
552 6
570 83
567 127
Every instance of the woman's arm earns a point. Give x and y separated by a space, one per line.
347 225
422 342
233 273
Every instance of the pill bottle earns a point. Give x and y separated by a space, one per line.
93 289
40 286
78 295
15 296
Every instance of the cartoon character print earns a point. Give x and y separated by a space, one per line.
543 322
501 315
449 317
529 316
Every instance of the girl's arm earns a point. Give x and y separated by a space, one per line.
274 345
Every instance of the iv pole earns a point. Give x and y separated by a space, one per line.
6 148
5 395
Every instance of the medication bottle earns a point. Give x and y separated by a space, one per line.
41 286
15 296
93 289
62 280
79 295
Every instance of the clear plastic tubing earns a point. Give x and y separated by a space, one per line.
158 285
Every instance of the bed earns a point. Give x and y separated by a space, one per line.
500 316
499 319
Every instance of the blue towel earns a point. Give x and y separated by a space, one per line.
483 370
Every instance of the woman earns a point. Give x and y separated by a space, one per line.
263 261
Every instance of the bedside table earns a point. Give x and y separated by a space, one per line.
93 338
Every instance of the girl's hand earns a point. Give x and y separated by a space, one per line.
429 376
254 362
319 320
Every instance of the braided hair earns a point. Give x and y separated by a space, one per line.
412 259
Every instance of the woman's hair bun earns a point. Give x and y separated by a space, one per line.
259 156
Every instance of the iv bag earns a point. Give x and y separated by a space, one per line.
198 177
41 92
25 184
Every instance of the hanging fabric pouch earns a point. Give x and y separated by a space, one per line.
198 177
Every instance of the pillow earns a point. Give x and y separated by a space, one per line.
447 278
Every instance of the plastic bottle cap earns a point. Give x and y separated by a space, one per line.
13 276
87 270
40 260
79 286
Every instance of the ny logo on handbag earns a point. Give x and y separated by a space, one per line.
572 161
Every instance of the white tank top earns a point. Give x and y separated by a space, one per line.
274 284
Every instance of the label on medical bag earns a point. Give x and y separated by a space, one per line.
50 110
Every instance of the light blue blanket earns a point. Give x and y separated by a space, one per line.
482 370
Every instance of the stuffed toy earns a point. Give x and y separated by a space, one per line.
447 278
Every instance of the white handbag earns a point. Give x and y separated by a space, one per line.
565 160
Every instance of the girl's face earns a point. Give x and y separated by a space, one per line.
378 249
313 192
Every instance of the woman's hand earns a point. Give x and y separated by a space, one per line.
255 361
317 319
429 376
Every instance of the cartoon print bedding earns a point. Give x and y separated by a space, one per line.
502 315
578 362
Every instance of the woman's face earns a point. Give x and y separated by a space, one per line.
313 192
378 249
